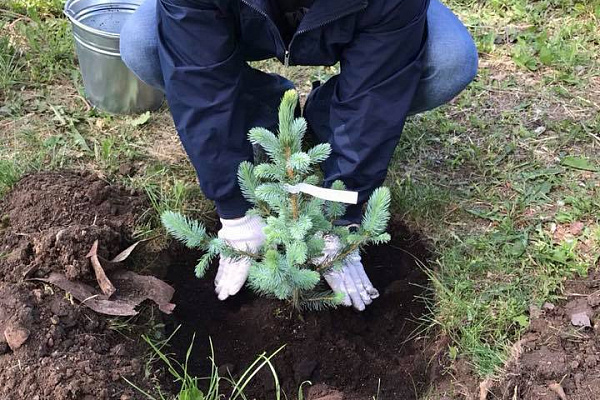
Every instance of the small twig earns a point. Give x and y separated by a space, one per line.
338 257
87 104
594 136
89 298
577 295
245 254
484 388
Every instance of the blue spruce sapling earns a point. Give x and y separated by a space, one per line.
288 266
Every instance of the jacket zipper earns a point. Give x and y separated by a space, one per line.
322 24
264 14
287 52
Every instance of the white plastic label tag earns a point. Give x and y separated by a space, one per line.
340 196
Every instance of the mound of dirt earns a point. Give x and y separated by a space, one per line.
347 351
51 220
561 351
50 346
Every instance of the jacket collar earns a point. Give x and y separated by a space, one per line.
321 12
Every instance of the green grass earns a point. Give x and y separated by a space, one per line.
213 387
486 179
10 69
35 7
483 177
9 175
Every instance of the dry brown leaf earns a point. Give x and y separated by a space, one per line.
122 256
144 287
565 232
133 289
90 297
105 284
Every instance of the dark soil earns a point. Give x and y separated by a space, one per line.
555 351
54 348
50 347
345 352
51 220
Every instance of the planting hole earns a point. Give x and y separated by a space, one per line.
346 350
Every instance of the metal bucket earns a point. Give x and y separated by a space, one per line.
109 84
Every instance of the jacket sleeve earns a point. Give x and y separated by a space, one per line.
202 69
380 71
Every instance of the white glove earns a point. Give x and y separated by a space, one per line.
351 279
245 234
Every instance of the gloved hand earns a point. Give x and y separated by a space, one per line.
351 279
244 234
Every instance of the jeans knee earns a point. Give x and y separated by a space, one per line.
452 72
446 74
471 63
138 47
458 68
129 52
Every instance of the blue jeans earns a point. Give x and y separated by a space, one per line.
450 56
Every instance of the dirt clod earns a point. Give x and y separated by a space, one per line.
16 336
581 319
547 363
580 312
323 392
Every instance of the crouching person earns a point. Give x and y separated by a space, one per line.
397 57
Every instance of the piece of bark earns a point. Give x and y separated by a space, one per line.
105 284
557 388
484 388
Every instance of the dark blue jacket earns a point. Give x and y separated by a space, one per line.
215 97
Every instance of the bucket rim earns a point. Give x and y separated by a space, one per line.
72 17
